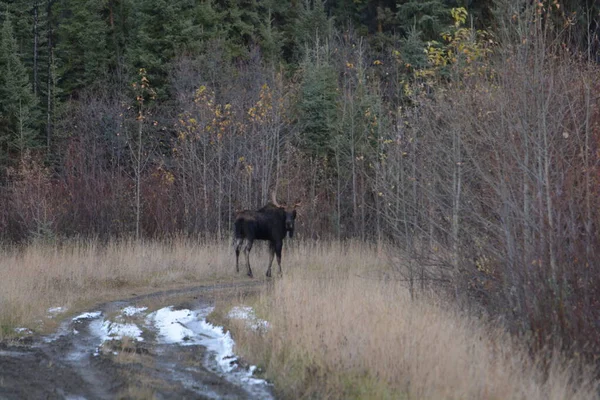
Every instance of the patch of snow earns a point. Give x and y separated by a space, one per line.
247 313
130 311
26 331
249 379
56 310
105 330
116 331
241 312
185 327
87 315
171 324
216 340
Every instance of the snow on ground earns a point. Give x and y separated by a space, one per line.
187 327
56 310
87 315
116 331
182 327
171 324
112 330
130 311
247 313
216 340
250 380
26 331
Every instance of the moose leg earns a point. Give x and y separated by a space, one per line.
238 245
247 254
271 255
278 247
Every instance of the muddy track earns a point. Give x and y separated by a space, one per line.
76 362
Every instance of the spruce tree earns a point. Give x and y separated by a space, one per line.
17 102
310 28
430 17
318 108
81 51
163 29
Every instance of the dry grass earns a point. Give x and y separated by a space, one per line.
336 335
337 330
40 276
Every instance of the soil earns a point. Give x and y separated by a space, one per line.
70 364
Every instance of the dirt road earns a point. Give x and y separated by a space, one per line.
122 350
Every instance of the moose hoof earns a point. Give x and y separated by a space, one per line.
268 274
250 275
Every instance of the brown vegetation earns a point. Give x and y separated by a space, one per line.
335 332
75 275
478 165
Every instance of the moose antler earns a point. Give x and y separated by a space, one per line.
274 199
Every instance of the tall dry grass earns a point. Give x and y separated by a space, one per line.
339 328
73 275
336 334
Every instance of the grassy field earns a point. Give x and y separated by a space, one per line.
340 325
77 275
337 331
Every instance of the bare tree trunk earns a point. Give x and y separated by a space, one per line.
338 194
456 199
138 178
546 159
220 190
185 195
415 189
353 165
205 186
401 195
588 188
379 187
230 209
363 208
35 47
21 140
49 84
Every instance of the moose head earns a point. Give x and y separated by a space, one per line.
289 213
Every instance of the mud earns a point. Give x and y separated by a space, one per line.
75 362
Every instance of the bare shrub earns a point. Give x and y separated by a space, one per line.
35 198
496 176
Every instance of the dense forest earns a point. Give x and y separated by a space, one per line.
463 135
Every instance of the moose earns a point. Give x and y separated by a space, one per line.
272 223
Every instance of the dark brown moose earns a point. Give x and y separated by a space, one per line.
272 223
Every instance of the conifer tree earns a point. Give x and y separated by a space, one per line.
430 17
17 102
81 51
310 28
157 37
318 108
